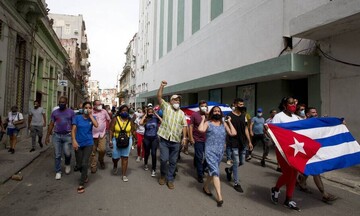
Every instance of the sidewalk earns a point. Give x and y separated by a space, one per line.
349 177
11 164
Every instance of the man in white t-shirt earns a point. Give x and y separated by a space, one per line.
36 122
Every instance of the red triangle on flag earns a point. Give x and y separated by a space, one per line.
297 149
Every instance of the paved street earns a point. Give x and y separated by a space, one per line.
40 194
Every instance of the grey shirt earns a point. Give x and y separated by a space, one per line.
37 116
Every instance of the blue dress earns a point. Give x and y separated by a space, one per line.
214 147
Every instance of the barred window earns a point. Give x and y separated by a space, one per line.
1 29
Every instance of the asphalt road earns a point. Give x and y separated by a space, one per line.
39 194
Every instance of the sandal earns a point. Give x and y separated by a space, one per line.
80 189
329 198
305 190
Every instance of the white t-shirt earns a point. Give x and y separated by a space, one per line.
14 117
140 128
281 117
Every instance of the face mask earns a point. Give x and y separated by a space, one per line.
259 114
302 112
233 108
217 116
203 109
291 108
242 109
176 106
81 111
99 107
124 115
62 106
86 111
150 115
36 106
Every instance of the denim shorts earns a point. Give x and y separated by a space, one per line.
121 152
12 131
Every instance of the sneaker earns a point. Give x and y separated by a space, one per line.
146 168
115 171
153 173
58 176
274 196
41 145
162 180
228 174
248 158
67 169
125 179
138 159
238 188
262 162
32 149
170 185
291 205
229 162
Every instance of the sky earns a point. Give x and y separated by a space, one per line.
110 25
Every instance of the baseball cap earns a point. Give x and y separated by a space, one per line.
149 105
175 96
259 110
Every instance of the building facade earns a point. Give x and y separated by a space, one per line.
71 31
94 90
259 50
32 60
109 97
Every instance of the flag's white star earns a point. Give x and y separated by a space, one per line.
298 147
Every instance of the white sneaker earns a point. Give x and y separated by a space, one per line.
125 179
67 169
153 173
146 168
58 176
138 159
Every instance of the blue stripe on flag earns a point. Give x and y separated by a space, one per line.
311 123
335 163
336 139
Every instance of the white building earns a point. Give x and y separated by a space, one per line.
260 50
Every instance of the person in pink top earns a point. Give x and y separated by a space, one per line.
103 119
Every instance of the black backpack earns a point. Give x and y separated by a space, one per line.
122 141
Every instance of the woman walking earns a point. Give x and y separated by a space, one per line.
216 131
14 118
82 141
151 124
121 122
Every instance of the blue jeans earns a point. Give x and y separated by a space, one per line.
242 156
168 152
62 143
234 167
228 152
199 158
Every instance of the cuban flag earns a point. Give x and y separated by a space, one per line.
188 110
316 145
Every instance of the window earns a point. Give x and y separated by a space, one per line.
247 93
67 29
216 8
215 95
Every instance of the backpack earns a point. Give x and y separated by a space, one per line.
122 141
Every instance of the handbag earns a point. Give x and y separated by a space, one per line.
19 126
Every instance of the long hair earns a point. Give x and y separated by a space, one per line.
211 113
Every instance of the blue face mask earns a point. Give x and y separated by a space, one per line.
124 115
62 106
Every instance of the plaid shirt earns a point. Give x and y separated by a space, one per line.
172 124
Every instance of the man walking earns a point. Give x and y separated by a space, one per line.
36 122
257 134
238 142
103 119
197 139
172 127
61 120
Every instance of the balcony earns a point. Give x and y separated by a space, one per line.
84 44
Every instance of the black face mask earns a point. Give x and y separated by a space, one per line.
150 115
217 116
62 106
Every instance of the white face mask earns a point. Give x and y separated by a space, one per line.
99 107
259 114
233 108
176 106
203 109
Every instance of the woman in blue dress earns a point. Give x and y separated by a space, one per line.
216 130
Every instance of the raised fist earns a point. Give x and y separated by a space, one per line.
163 83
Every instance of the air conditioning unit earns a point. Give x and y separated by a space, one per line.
76 32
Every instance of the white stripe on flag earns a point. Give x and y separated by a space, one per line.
330 152
323 132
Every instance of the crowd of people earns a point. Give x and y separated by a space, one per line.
96 131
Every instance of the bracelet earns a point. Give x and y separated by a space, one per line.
185 138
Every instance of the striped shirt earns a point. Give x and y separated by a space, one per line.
172 124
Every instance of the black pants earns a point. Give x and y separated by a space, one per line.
150 145
260 138
82 161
